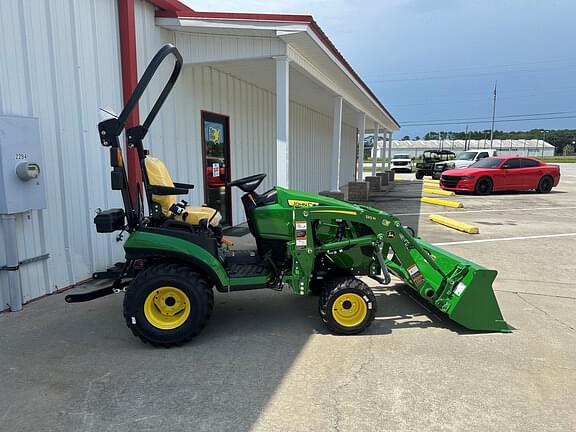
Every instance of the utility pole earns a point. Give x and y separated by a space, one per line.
493 114
466 139
543 140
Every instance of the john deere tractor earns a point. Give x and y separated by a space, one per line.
176 254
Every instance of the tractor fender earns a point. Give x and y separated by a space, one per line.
192 262
142 244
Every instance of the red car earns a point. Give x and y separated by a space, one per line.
505 173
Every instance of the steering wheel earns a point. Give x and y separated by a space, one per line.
248 184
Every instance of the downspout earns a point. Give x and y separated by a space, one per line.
127 27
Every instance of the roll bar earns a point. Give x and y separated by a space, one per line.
120 123
111 129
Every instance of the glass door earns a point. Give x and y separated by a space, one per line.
216 155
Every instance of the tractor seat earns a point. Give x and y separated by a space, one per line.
158 175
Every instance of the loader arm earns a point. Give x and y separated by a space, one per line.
456 287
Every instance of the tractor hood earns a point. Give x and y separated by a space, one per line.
292 198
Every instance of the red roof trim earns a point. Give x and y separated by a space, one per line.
306 19
170 5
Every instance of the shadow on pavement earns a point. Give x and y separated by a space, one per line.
82 370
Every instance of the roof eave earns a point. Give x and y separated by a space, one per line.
284 18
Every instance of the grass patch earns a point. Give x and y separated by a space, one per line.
560 159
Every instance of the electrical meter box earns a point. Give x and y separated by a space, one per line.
21 168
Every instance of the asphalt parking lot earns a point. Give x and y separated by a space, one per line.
265 362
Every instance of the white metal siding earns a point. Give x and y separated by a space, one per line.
176 136
64 64
310 147
60 64
347 154
202 48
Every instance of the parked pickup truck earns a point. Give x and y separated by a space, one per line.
401 162
463 160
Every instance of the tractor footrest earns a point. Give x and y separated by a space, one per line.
237 270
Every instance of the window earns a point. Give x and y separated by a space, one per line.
512 163
487 163
530 163
467 155
483 155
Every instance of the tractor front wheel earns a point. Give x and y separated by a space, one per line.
168 304
347 306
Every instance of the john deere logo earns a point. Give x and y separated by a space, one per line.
299 203
390 234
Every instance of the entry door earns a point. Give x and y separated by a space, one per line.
216 155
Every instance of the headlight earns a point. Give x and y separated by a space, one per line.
467 177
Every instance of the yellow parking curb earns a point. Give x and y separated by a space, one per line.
451 223
438 191
442 202
431 181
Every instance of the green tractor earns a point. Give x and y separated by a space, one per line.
176 254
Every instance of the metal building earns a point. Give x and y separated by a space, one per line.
258 93
532 147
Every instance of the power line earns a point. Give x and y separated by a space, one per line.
569 60
498 117
440 77
544 90
488 121
465 101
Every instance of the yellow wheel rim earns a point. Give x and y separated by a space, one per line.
349 310
167 308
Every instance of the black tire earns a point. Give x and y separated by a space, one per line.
545 184
419 175
153 285
483 186
316 286
347 294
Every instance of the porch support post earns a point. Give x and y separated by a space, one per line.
389 149
375 148
282 120
383 164
336 144
361 132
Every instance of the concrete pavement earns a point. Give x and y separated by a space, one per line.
266 363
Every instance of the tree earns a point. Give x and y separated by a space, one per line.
405 138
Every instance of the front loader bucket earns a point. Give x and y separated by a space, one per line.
463 292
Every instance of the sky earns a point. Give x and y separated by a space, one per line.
433 62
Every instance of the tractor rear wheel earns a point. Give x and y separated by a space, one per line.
347 306
168 304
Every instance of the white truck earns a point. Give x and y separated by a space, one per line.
463 160
401 162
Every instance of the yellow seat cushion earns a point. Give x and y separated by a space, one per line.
158 175
196 214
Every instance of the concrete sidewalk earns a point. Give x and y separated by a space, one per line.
266 363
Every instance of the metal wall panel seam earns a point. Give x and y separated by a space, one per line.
59 152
